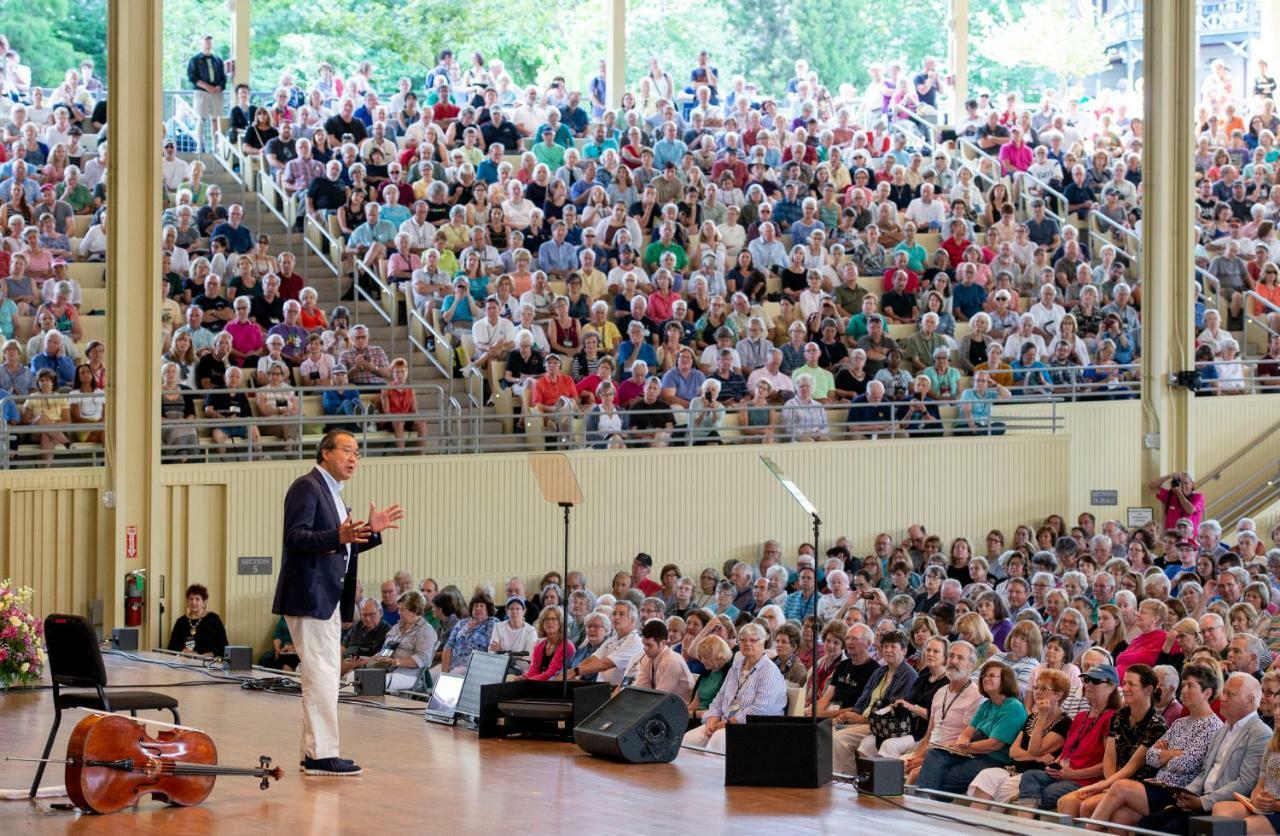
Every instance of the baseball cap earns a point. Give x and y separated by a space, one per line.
644 559
339 369
1102 673
1188 544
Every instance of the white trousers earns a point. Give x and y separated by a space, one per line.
898 747
701 737
319 644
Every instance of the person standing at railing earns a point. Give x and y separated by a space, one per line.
399 398
1179 497
208 76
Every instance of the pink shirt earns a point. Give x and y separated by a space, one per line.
1173 511
1015 156
669 672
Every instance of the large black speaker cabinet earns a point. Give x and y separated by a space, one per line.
637 726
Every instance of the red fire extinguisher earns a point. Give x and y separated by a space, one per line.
134 585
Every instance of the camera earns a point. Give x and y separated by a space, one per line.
1176 483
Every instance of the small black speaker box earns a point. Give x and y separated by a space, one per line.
370 682
239 657
637 726
124 638
1215 826
880 776
778 752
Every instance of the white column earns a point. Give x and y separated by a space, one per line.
958 44
240 14
134 111
616 59
1168 328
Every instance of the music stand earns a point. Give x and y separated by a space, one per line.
783 751
559 487
803 501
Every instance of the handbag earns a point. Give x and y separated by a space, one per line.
896 722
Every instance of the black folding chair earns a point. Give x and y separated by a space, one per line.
75 661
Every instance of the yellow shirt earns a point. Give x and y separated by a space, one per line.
594 284
608 334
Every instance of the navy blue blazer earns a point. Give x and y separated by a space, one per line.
313 578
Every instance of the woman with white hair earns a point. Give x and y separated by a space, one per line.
1230 377
706 414
840 595
753 686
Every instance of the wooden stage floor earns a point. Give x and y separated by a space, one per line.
423 776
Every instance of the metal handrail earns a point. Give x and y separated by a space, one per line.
76 454
1245 492
911 116
415 316
385 292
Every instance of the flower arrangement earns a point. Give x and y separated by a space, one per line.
22 651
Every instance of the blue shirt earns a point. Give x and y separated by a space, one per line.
594 151
383 232
668 150
968 299
980 405
63 366
553 256
335 491
797 606
239 239
687 388
488 170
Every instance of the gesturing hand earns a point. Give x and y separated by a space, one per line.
384 519
353 531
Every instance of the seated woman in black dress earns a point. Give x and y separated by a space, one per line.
198 630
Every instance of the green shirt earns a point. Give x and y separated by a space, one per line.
1003 722
654 251
551 156
708 686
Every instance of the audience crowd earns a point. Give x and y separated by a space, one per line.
735 256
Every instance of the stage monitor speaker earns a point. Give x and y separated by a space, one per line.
370 682
880 776
778 752
637 726
239 657
124 638
1215 826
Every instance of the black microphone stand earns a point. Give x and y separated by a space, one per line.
564 607
817 526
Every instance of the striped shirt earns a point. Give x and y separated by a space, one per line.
762 691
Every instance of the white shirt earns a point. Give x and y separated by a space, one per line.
486 335
620 650
174 173
421 236
1047 318
335 491
922 214
508 639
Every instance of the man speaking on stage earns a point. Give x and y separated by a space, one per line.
317 588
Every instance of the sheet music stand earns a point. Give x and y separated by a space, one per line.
559 487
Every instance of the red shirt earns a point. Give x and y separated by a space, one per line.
547 391
1173 510
955 249
649 587
290 286
913 280
1086 742
1145 649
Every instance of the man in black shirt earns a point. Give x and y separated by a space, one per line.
652 420
281 149
498 129
212 213
217 310
268 309
992 135
899 304
326 193
853 672
344 122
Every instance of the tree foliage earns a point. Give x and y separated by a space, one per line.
52 36
1018 44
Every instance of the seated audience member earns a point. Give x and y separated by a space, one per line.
786 645
282 655
366 637
713 655
409 647
610 661
658 667
514 636
198 630
985 741
552 649
753 686
917 705
469 635
596 631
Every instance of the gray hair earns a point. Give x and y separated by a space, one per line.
753 629
599 618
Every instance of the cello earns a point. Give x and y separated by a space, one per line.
112 763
